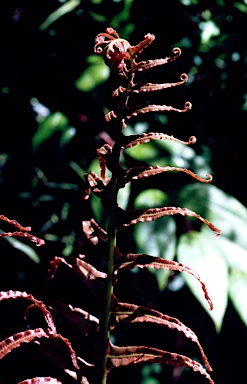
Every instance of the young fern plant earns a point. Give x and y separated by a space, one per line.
96 311
120 56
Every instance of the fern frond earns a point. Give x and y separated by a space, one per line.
124 356
141 260
159 108
16 340
150 87
131 313
132 140
17 294
134 216
40 380
140 172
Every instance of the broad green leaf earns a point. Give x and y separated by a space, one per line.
241 7
26 249
199 251
223 210
181 155
54 122
151 198
123 196
145 152
69 6
97 73
238 293
157 238
177 149
235 256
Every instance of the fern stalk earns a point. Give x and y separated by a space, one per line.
111 234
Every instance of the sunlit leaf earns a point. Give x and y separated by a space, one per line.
67 136
225 211
123 196
69 6
55 122
199 251
151 198
97 73
209 30
235 255
177 149
157 238
26 249
238 293
236 258
147 152
241 7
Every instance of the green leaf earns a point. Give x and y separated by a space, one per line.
123 196
76 167
67 136
150 380
238 293
26 249
177 149
97 73
55 122
235 255
146 151
98 17
223 210
69 6
241 7
209 29
151 198
236 258
157 238
123 16
199 251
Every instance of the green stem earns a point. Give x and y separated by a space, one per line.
105 320
111 232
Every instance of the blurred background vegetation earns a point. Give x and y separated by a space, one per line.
54 93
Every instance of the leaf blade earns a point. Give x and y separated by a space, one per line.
196 249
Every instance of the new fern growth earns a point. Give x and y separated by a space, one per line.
100 264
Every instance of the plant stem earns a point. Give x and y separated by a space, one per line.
111 232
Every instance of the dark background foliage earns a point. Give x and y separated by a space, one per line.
40 188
